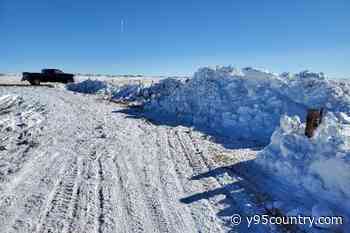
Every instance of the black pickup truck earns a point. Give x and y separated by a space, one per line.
47 75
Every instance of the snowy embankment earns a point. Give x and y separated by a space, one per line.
247 103
125 92
250 104
320 165
129 92
19 121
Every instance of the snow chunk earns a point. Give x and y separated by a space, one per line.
314 91
7 101
129 92
140 93
88 86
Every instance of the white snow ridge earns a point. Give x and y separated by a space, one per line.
320 165
245 103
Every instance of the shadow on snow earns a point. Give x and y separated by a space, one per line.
167 120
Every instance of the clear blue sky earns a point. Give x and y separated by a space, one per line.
174 36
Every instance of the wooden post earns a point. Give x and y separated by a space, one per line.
313 120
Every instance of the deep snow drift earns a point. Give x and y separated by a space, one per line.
320 165
244 104
249 103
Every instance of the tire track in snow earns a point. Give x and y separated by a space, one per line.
100 197
56 218
118 207
89 200
188 167
79 218
156 137
74 201
21 210
171 187
151 186
132 199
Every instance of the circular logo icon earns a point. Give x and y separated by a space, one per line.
236 219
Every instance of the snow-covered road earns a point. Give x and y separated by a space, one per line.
77 163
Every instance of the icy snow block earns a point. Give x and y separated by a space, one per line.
87 86
7 101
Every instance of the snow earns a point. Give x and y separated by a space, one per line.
8 101
129 92
19 122
17 115
243 103
320 165
126 92
88 86
254 104
92 159
314 90
88 167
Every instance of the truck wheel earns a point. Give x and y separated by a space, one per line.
35 82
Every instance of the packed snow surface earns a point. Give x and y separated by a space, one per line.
19 120
76 163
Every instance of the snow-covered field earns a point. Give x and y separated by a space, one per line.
224 142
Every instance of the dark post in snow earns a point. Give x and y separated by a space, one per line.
313 120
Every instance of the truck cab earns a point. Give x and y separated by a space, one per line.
48 75
51 71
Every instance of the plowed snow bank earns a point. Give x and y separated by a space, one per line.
130 92
246 103
88 86
320 165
